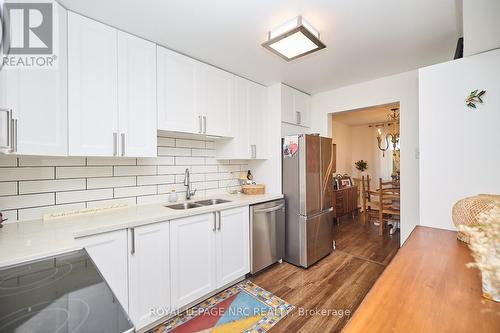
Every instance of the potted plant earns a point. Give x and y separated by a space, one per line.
484 242
361 165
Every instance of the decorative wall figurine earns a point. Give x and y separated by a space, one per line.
475 97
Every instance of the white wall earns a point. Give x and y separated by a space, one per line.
460 147
401 88
342 137
356 143
481 25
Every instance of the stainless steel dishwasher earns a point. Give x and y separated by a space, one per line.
267 234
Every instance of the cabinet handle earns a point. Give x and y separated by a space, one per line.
123 144
132 239
299 118
220 224
115 143
205 124
200 125
14 135
8 145
254 151
215 222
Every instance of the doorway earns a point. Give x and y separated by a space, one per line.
367 181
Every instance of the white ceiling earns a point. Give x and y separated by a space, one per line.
365 39
365 116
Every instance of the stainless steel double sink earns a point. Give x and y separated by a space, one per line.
197 204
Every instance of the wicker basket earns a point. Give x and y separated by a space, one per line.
466 211
253 189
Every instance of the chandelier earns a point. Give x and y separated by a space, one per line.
391 138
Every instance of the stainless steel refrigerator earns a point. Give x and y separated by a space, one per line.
307 186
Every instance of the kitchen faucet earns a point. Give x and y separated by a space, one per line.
187 183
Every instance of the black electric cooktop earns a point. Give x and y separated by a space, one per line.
60 294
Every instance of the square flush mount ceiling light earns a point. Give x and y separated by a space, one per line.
294 39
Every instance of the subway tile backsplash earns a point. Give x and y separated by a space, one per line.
31 186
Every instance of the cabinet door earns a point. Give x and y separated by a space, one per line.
8 101
38 99
233 250
178 92
149 272
257 103
287 108
136 96
240 121
92 81
302 106
109 253
192 258
217 91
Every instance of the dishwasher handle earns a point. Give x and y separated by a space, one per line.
269 210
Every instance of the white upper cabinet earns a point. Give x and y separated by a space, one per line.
112 91
248 122
148 271
217 94
295 106
179 99
257 121
239 146
136 96
233 255
287 108
93 87
193 97
302 104
37 101
192 261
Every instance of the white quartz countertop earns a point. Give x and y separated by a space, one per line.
29 240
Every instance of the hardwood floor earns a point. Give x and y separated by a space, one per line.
337 284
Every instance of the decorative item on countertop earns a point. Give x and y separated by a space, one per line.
172 196
243 178
475 97
253 189
468 210
484 243
83 211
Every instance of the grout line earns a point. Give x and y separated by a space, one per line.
209 166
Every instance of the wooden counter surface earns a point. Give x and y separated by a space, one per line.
427 288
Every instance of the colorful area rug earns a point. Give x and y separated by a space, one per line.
244 307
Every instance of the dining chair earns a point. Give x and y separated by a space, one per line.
388 204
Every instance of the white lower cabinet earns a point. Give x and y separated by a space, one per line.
232 243
192 261
148 272
167 265
109 253
207 252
